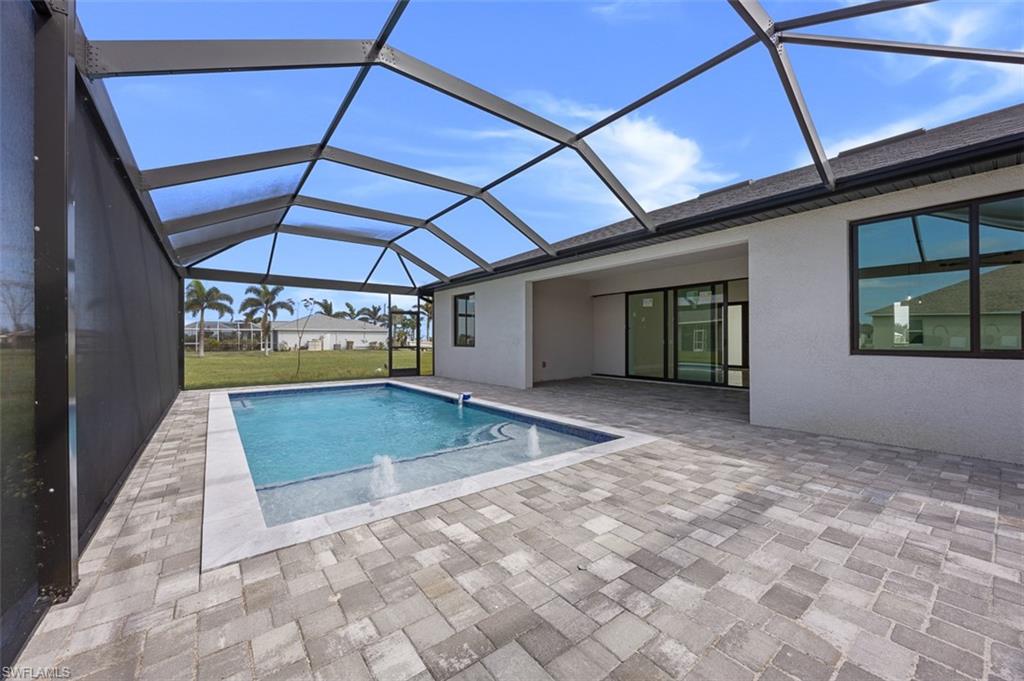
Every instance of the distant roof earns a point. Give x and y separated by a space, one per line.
321 322
214 324
798 190
1004 289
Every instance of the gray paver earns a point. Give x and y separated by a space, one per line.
723 550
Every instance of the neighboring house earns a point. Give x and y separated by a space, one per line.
320 332
940 319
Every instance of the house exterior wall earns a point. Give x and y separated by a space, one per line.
563 333
802 373
502 354
360 339
608 355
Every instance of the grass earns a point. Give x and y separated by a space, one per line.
228 369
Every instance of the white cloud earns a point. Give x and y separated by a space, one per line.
656 164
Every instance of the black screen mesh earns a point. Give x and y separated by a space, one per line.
126 307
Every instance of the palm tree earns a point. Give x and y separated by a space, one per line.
263 306
373 315
326 307
349 312
427 308
199 299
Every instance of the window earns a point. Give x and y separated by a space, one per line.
465 320
945 281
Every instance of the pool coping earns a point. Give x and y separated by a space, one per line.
233 523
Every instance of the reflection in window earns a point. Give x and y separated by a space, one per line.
465 320
915 276
1001 246
914 282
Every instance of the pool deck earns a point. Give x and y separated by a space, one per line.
721 552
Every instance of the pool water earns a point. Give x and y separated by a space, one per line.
312 451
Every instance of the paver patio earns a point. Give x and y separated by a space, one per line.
723 552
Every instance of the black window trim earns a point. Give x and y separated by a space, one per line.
974 265
456 315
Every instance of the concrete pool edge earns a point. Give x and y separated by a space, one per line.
233 524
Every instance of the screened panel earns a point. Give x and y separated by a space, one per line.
345 184
483 231
964 24
302 256
213 115
223 192
889 94
560 197
248 256
435 252
558 58
389 271
442 136
227 19
700 137
313 217
228 228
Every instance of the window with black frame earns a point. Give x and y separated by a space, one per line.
465 320
943 281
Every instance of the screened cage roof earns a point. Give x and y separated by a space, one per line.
390 147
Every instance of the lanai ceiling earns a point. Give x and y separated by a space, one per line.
291 190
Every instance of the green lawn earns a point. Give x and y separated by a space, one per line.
223 369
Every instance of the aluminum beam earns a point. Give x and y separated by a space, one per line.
850 12
376 165
513 219
394 218
357 211
301 282
331 233
419 263
342 235
372 50
435 78
105 109
458 246
200 250
945 51
170 176
763 27
613 184
244 210
107 58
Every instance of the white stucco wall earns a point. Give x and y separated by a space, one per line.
500 355
803 375
563 332
609 331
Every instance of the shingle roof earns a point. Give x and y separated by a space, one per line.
321 322
791 189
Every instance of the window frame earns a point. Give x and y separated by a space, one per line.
456 316
974 272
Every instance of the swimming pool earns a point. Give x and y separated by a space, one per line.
317 450
289 464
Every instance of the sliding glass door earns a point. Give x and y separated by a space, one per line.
700 334
645 335
695 334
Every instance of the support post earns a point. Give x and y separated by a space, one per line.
56 447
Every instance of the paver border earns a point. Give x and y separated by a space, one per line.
233 523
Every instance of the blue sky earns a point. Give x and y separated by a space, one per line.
573 62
